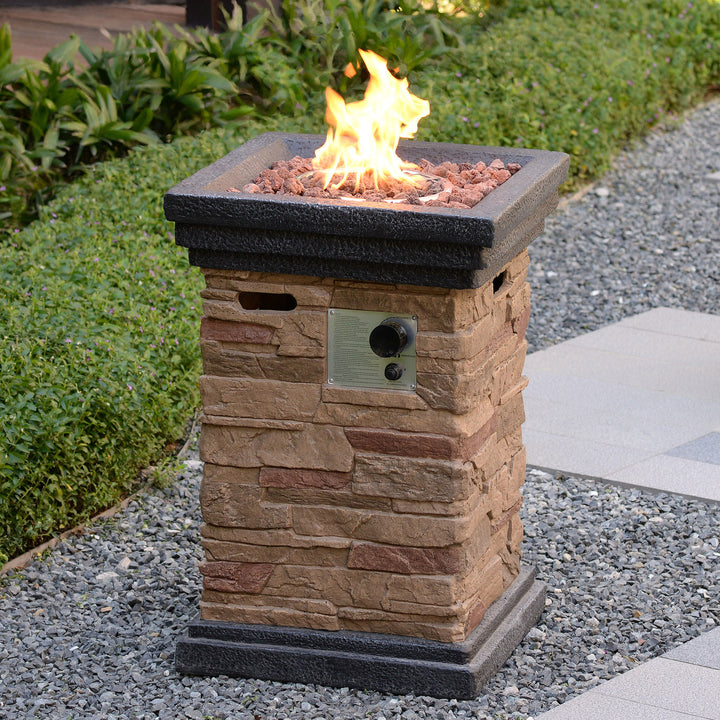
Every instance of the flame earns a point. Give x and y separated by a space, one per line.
364 135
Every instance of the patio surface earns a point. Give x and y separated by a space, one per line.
637 403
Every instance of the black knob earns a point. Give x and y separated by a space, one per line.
389 338
393 371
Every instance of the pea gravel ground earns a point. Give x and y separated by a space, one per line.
88 631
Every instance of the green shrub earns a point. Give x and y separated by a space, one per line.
98 309
98 340
574 76
55 118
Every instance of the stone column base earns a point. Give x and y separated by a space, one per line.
388 663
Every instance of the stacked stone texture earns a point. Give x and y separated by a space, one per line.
359 509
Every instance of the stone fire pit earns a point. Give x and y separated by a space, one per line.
362 426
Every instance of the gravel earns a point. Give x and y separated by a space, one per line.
646 236
88 630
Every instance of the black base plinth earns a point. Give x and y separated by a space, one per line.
388 663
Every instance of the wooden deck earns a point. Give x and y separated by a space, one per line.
35 30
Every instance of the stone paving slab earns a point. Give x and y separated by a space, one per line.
662 688
635 403
682 684
594 706
703 650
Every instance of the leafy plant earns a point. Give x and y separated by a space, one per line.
98 311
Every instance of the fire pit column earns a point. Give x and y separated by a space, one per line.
362 440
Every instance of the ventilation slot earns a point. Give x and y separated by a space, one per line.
499 282
267 301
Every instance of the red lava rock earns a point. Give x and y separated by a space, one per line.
500 175
293 186
466 184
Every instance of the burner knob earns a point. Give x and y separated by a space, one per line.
393 371
389 338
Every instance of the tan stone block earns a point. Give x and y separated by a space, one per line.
519 303
321 447
415 588
271 537
235 332
510 553
440 481
518 470
293 478
457 560
235 576
368 589
254 398
215 277
453 509
373 398
297 604
487 461
447 312
425 445
406 560
220 359
304 334
357 619
235 505
480 362
450 614
515 533
500 524
268 615
224 360
334 585
306 296
508 374
512 392
230 475
461 345
240 552
385 527
459 394
219 294
406 420
234 312
520 323
518 283
510 416
298 333
490 586
503 344
337 498
310 291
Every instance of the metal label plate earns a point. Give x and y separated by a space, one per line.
351 361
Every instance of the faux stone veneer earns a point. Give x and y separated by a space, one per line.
356 536
344 508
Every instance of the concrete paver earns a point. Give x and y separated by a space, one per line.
637 403
703 650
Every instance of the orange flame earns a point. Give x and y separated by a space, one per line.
364 135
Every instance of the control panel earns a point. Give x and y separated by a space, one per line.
371 349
